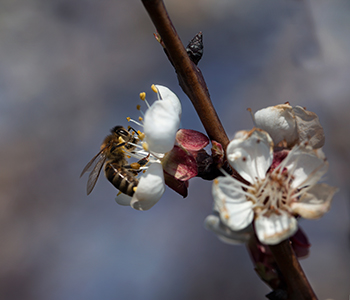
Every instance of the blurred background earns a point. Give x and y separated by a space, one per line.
72 69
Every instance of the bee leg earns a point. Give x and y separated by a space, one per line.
136 167
130 128
117 146
133 168
144 160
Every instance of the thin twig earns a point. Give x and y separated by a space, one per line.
189 75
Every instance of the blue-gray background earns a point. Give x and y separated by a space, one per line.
71 70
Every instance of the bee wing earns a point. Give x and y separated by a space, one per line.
95 173
90 163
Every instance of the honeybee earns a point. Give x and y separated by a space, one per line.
113 157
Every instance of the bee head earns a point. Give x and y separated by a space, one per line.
120 131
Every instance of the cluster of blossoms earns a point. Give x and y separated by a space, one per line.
280 162
171 152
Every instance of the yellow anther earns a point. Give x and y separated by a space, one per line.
144 171
140 119
141 135
128 118
135 166
138 107
134 188
119 193
145 146
143 96
154 89
128 156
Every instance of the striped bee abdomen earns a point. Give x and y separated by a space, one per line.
121 178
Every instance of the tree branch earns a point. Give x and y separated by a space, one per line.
189 75
193 84
298 286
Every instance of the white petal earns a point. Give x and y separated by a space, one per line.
275 228
150 188
315 202
230 202
305 166
123 199
167 94
161 124
242 134
309 127
251 156
279 122
224 233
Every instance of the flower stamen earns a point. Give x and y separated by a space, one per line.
252 115
143 98
154 88
135 122
243 185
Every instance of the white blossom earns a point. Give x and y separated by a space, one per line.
161 122
292 125
271 197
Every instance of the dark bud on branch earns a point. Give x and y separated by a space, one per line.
195 48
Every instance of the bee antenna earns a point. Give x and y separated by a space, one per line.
129 127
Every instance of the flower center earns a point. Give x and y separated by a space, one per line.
273 193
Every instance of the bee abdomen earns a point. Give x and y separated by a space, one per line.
121 178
